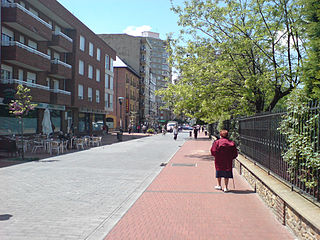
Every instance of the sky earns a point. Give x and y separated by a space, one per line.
126 16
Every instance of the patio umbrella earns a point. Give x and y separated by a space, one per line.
46 123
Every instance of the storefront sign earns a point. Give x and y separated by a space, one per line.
50 106
97 111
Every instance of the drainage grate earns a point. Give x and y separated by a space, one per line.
184 165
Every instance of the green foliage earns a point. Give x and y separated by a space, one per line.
241 58
298 125
312 69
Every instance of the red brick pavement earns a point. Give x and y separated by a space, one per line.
182 203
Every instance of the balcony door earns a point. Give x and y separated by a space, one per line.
31 77
6 72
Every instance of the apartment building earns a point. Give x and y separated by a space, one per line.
161 73
136 52
67 67
127 87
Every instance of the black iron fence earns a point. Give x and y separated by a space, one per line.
260 140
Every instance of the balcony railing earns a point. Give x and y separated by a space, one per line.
30 49
28 84
56 61
16 5
60 91
63 35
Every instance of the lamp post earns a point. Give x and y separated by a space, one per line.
120 103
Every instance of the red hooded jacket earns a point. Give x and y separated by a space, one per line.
224 151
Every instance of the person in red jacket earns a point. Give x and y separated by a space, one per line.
224 151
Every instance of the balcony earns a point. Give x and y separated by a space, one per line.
61 42
25 56
61 97
24 21
60 69
38 92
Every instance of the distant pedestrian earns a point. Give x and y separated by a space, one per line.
175 133
144 129
164 131
195 132
138 128
224 151
130 128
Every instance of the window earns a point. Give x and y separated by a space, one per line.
106 81
106 100
111 83
111 65
107 64
56 56
6 35
21 39
49 52
90 94
98 75
98 54
55 84
32 44
31 77
90 72
34 12
80 91
6 72
97 96
57 29
91 49
20 74
82 43
110 100
81 67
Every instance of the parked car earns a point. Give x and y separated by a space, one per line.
186 127
171 125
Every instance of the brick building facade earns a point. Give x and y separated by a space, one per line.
127 86
67 67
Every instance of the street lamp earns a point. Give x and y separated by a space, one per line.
120 103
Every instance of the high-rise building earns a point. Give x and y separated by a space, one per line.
136 52
66 66
160 71
148 56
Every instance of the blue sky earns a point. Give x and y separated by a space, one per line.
126 16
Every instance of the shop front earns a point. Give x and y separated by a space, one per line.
32 123
90 122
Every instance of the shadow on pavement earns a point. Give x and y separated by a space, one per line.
202 157
242 191
5 217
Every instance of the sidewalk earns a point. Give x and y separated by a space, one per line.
182 204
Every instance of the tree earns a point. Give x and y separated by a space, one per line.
241 57
21 106
312 24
